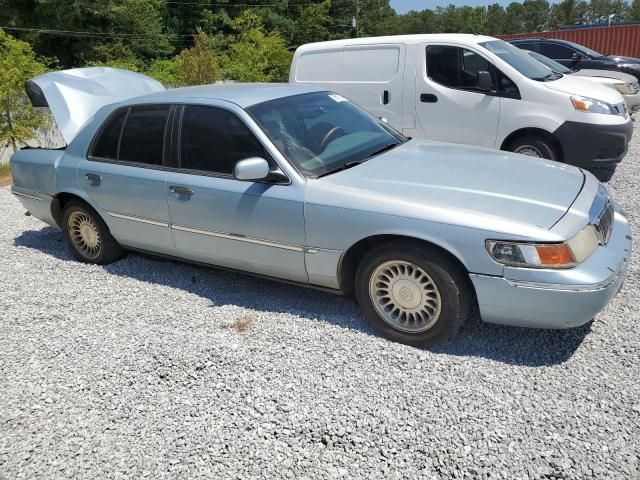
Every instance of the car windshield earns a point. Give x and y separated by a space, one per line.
552 64
519 60
321 133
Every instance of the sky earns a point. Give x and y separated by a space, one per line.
403 6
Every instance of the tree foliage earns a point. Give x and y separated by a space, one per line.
201 41
18 63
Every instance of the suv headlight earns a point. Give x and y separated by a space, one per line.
591 105
625 88
545 255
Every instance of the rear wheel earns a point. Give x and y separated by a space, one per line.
412 294
535 146
88 235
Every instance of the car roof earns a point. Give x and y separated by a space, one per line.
242 94
468 38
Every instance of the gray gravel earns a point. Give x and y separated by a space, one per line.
148 368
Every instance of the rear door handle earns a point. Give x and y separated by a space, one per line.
94 178
181 190
385 97
428 98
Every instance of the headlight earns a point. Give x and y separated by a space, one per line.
625 88
545 255
591 105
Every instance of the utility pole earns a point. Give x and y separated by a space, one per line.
355 24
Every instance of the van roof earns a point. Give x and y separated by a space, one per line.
467 38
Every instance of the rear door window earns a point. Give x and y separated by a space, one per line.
106 146
556 51
133 135
143 135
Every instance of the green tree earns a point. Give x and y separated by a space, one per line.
495 19
256 56
18 63
199 65
513 20
166 72
634 12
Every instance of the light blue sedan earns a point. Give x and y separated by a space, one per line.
299 184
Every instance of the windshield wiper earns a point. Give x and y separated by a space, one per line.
342 167
388 146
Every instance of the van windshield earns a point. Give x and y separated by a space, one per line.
322 133
519 60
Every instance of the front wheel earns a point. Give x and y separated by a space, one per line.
534 146
412 294
88 236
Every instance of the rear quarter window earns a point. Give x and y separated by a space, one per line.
106 145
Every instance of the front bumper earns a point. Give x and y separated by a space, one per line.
633 102
591 145
568 298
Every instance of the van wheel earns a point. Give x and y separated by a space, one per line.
88 235
411 294
534 146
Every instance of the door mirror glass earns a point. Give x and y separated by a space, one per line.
251 169
485 82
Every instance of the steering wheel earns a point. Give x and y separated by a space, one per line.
329 135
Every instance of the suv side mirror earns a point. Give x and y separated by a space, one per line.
485 82
577 56
251 169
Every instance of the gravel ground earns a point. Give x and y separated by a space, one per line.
148 368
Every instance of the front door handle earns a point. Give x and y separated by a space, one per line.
181 190
428 98
94 178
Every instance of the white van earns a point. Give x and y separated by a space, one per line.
472 89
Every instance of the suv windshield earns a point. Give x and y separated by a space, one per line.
583 49
321 133
519 60
552 64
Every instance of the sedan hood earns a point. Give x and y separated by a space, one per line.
574 85
74 96
455 184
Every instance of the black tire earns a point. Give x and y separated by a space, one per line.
544 147
452 282
108 249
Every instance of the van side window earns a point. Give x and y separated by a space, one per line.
214 139
455 67
556 51
143 135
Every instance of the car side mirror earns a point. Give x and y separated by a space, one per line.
576 56
251 169
485 82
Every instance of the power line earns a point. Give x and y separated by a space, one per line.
95 34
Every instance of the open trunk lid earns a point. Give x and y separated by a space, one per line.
75 95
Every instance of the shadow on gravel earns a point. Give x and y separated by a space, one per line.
516 346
